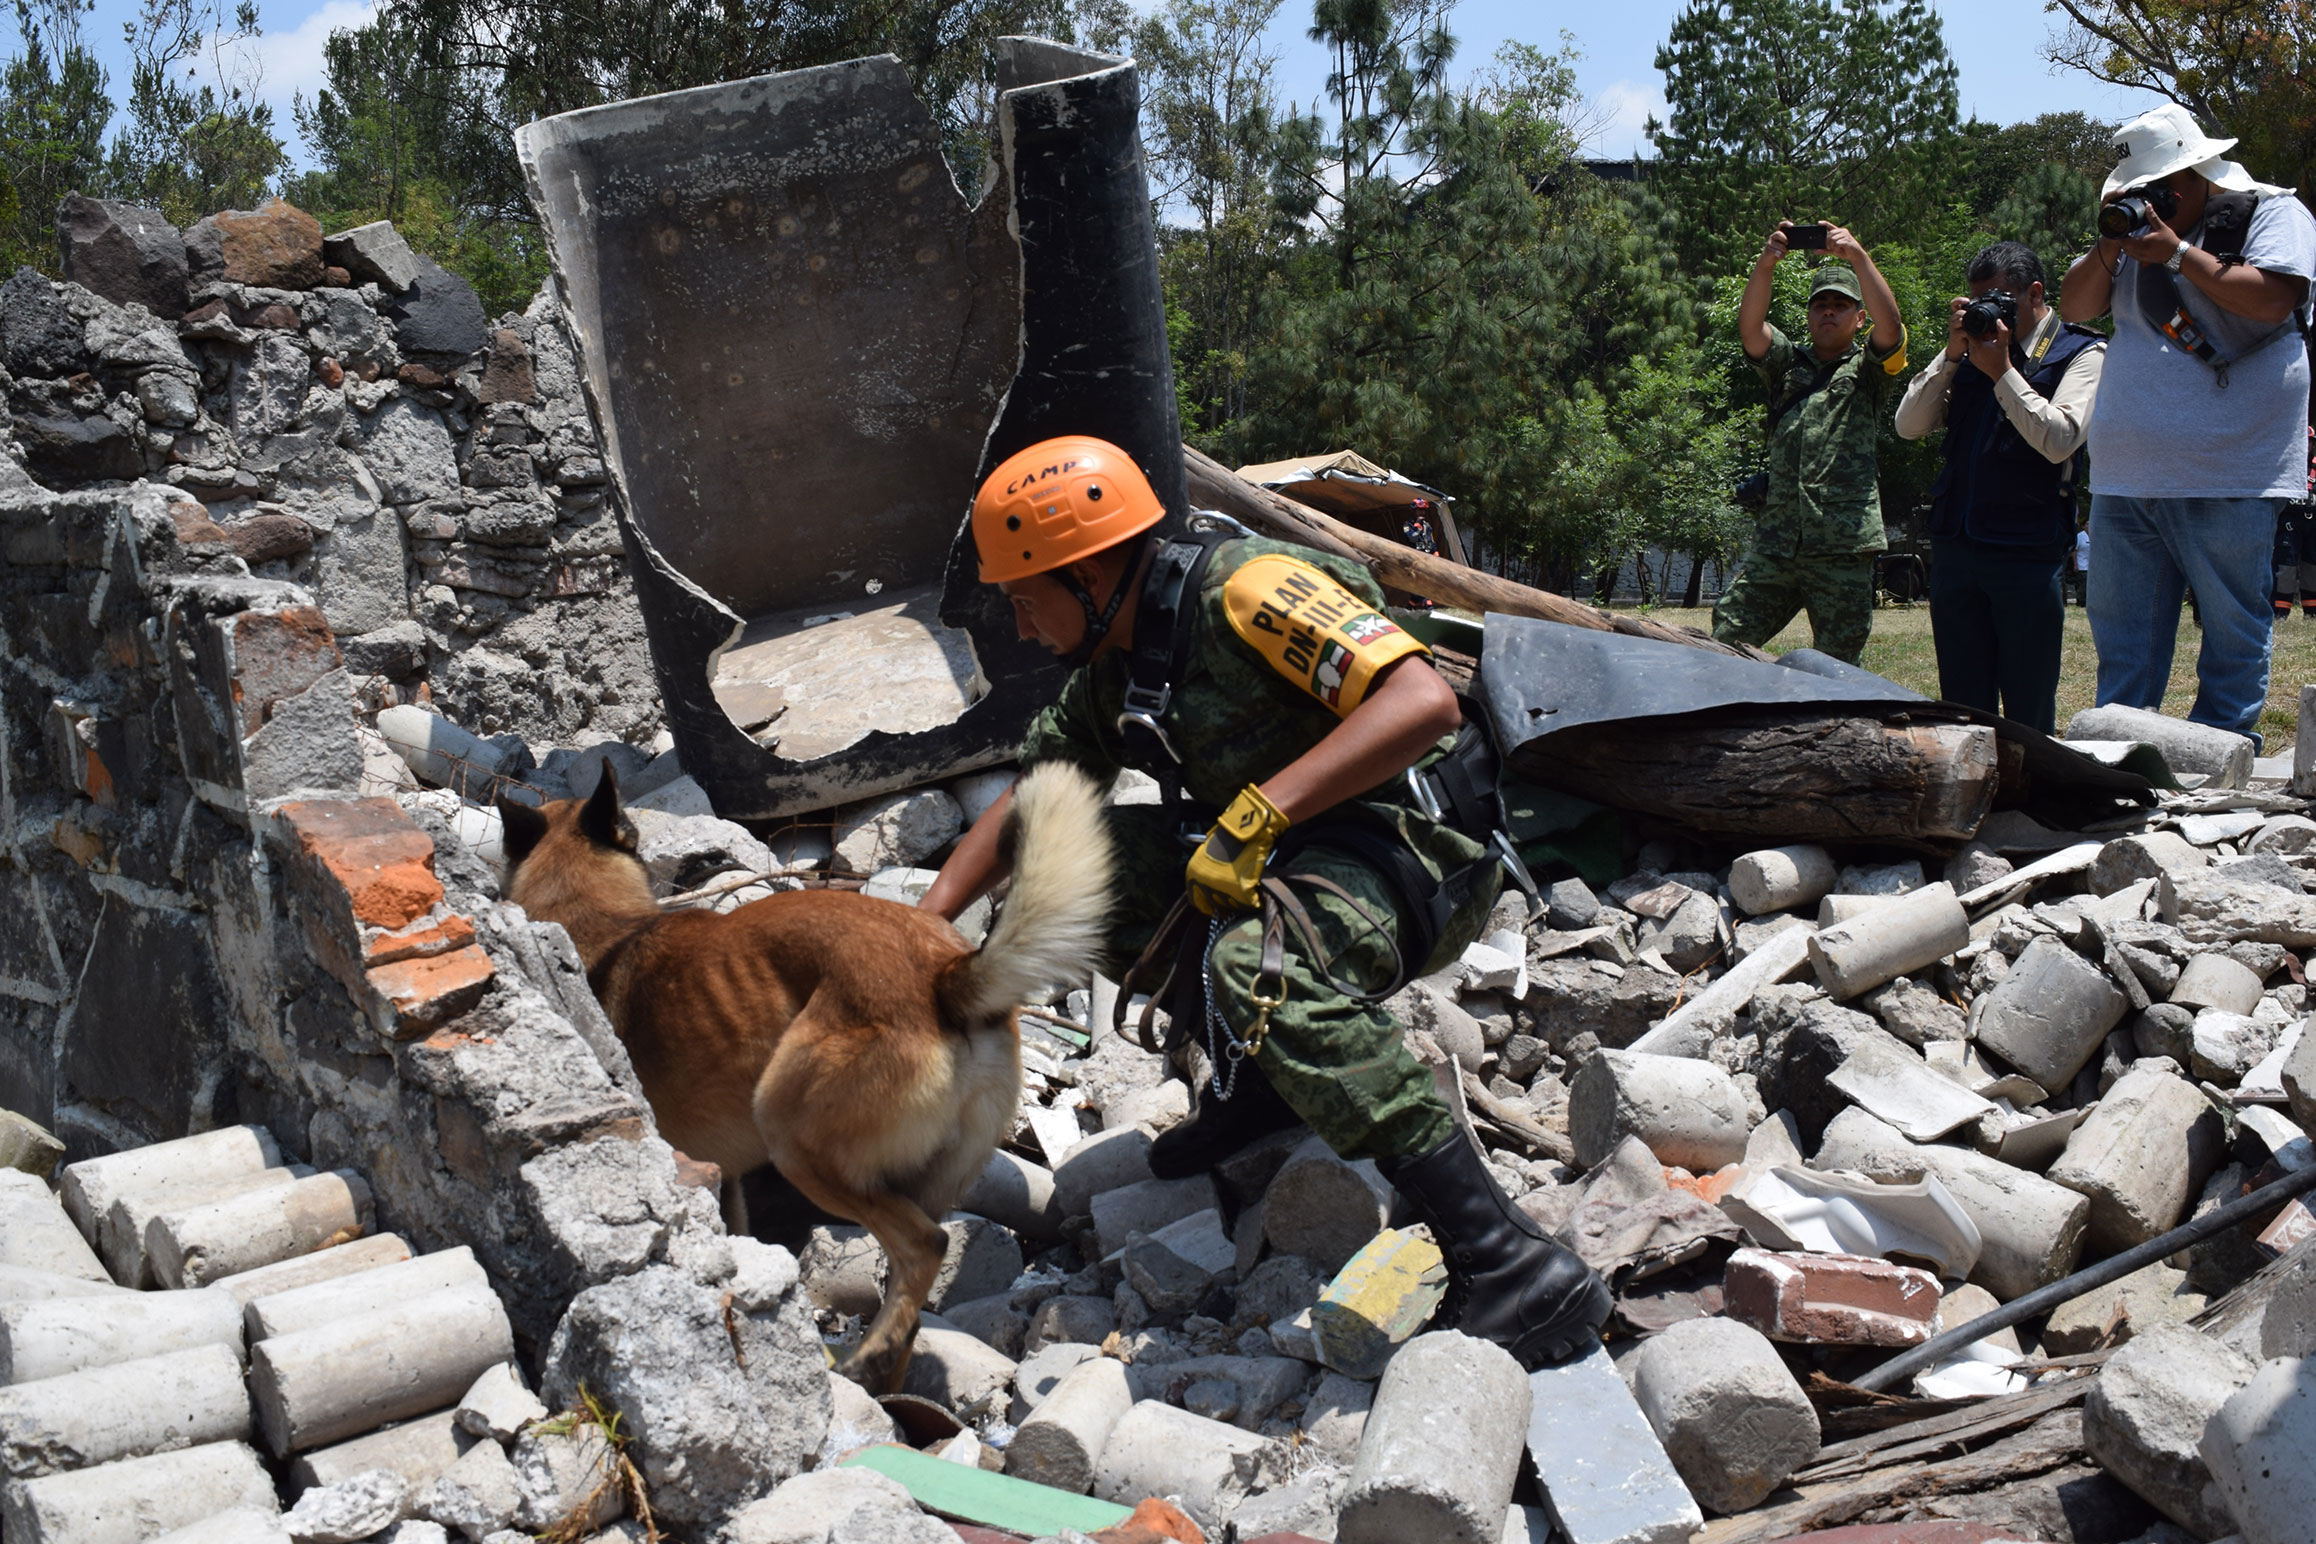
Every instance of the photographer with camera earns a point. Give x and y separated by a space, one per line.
2013 391
2198 438
1821 519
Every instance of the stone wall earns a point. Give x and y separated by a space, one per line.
432 477
206 566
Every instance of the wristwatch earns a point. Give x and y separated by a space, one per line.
2177 259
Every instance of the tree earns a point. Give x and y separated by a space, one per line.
2247 68
2053 209
53 109
1809 109
190 151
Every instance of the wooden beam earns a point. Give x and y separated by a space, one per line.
1215 486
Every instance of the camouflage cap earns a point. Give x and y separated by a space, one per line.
1838 279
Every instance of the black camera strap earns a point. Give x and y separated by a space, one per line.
2227 225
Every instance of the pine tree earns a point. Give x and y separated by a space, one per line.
185 150
53 109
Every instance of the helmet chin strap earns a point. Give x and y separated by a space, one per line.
1098 619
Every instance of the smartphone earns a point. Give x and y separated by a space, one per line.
1806 238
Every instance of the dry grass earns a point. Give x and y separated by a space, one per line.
1900 649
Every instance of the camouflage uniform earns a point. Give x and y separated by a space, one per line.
1814 545
1234 720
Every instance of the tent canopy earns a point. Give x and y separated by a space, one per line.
1347 485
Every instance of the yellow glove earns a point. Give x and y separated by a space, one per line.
1227 869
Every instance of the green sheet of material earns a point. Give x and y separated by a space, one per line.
1557 831
992 1500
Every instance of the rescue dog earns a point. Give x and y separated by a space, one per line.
860 1046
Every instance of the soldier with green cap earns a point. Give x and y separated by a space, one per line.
1813 547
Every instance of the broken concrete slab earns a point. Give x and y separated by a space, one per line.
2145 1417
2257 1446
1606 1478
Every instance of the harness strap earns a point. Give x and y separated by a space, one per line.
1161 647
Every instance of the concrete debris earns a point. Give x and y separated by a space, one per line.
1731 1417
1828 1299
2145 1417
1441 1448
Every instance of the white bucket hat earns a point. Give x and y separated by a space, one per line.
2157 143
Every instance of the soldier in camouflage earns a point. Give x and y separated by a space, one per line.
1297 700
1813 548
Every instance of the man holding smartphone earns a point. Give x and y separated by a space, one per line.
1813 548
2199 435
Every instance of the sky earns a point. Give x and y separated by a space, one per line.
2003 77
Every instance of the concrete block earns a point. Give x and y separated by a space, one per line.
1731 1417
362 1254
1442 1446
1018 1193
1043 1368
133 1409
1204 1465
2223 758
2141 1155
2224 1047
563 1475
27 1146
1688 1112
1883 1075
135 1499
982 1258
350 1510
1824 1299
2257 1448
367 1292
843 1268
1335 1416
499 1405
478 1495
1070 1318
2050 1014
808 1508
69 1334
1061 1442
1894 938
1605 1476
2145 1417
89 1188
195 1247
2030 1230
1107 1160
994 1321
418 1450
36 1234
1258 1384
1383 1295
248 1525
120 1237
1323 1208
953 1369
348 1376
2212 980
2126 860
23 1284
1780 878
2154 1294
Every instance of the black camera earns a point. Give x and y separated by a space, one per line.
2129 213
1805 238
1995 306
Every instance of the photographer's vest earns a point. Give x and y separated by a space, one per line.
1996 488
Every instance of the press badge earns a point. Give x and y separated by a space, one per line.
1312 630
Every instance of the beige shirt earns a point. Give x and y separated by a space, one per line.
2054 426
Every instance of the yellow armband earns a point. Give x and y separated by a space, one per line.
1312 630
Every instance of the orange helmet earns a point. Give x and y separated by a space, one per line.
1060 500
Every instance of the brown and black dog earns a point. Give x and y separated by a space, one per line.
861 1046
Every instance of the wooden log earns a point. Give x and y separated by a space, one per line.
1215 486
1790 774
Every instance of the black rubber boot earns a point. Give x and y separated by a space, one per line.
1219 1127
1509 1282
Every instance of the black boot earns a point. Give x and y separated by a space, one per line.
1219 1127
1512 1284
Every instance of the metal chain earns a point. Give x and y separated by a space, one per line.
1218 1030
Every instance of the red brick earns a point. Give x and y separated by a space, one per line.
2294 1223
1844 1300
1154 1522
372 852
275 655
424 994
700 1176
430 936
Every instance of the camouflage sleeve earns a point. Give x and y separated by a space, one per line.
1771 367
1892 360
1070 731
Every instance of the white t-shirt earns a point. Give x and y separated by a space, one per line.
2083 551
2164 427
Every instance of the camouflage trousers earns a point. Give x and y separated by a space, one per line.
1339 1063
1837 590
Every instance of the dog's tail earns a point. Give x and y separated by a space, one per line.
1051 928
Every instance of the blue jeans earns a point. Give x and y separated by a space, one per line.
2145 553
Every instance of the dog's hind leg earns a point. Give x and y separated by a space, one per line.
913 1245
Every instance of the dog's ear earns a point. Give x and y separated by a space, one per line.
599 818
522 828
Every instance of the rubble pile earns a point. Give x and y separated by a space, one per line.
338 412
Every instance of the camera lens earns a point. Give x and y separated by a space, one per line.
2122 217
